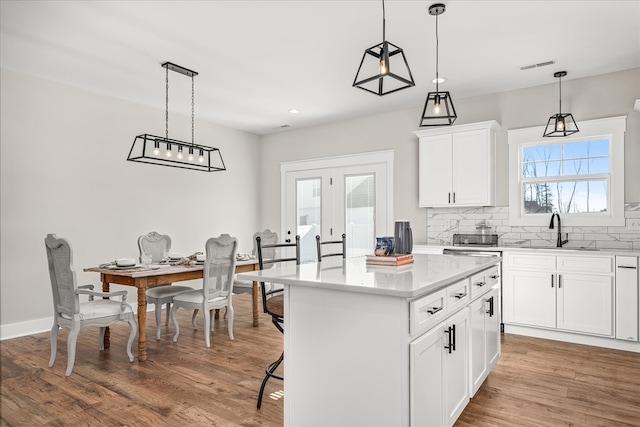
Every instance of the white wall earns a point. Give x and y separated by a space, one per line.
607 95
64 171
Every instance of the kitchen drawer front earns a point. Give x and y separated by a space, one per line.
458 295
492 275
584 264
480 284
531 261
427 311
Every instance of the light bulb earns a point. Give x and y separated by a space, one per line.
383 67
179 155
560 124
168 153
201 156
156 151
436 104
190 154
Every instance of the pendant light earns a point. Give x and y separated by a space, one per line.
386 65
561 124
163 151
438 108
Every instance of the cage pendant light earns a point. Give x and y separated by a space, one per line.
163 151
438 108
561 124
386 65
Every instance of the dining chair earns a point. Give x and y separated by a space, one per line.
272 296
267 237
156 244
332 243
70 313
216 292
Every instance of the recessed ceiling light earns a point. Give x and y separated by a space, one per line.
294 111
439 80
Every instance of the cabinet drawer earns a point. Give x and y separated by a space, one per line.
531 261
479 284
492 276
591 264
457 295
427 311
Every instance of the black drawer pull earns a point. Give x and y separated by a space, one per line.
460 295
433 310
480 284
626 266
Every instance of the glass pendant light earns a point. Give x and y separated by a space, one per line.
438 108
386 65
561 124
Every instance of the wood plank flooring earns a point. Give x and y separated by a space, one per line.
536 383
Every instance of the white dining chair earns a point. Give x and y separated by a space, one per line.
216 292
268 237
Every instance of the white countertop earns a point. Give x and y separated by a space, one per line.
566 250
426 274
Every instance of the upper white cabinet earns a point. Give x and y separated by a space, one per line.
457 165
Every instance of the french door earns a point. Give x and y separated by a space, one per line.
347 197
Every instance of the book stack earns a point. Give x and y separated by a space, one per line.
396 259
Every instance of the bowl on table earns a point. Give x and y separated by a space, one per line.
201 257
176 256
125 262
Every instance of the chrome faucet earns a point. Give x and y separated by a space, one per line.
560 241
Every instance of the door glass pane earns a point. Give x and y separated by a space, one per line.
360 214
309 216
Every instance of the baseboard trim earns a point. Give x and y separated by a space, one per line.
573 338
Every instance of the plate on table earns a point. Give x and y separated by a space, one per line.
128 267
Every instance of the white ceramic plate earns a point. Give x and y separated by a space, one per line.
118 267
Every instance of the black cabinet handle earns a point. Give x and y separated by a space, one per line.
453 330
490 311
480 284
552 280
494 276
450 345
460 295
433 310
454 197
449 197
559 281
626 266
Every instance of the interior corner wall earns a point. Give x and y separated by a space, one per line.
64 171
589 98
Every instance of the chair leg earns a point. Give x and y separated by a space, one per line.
101 332
54 343
166 322
174 319
71 348
158 312
133 326
208 314
230 312
193 319
269 372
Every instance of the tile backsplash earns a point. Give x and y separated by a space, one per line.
443 223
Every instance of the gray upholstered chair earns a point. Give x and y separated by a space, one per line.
156 244
74 315
216 292
268 237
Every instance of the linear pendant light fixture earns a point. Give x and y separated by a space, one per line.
386 65
560 124
438 108
163 151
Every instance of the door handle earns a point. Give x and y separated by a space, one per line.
490 311
287 241
552 280
453 332
449 346
454 197
559 281
449 197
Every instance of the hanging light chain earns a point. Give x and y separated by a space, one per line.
166 114
437 55
192 109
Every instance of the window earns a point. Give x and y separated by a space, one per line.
581 177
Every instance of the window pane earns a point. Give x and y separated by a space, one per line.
595 148
360 208
586 166
308 212
541 169
538 153
566 197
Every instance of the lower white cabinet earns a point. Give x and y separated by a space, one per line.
570 293
439 375
627 298
484 337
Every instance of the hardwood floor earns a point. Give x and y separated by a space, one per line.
536 382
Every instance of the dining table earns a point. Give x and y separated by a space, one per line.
144 277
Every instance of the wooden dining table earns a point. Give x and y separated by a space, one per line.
157 275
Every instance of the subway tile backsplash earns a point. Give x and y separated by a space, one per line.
465 220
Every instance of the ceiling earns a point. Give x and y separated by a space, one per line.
258 59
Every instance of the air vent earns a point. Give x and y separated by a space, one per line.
538 65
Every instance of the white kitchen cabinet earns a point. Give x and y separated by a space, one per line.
457 165
627 298
439 376
565 292
484 340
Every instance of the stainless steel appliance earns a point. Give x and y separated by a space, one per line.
403 238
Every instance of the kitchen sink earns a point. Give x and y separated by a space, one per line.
564 248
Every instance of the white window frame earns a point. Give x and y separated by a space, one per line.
613 129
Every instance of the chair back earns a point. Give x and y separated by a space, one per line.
268 256
154 244
219 266
320 244
267 237
62 275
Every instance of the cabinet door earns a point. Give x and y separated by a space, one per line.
426 356
492 328
456 383
471 183
478 344
435 171
585 303
627 298
530 298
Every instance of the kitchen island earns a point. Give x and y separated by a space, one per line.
355 335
